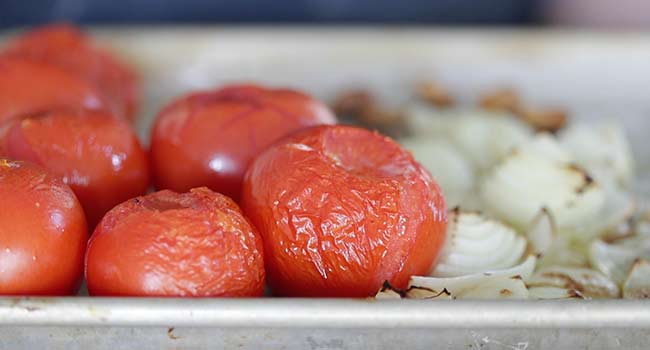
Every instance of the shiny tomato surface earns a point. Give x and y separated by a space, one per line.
97 155
341 210
30 87
43 232
209 138
169 244
70 49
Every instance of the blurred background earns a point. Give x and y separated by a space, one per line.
608 14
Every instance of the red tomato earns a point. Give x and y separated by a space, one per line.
43 232
341 210
97 155
209 138
31 87
70 49
170 244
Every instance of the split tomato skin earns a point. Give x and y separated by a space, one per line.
215 134
195 244
29 87
97 155
70 49
43 232
341 210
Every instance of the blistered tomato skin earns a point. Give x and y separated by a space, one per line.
209 138
97 155
194 244
341 210
29 87
43 233
70 49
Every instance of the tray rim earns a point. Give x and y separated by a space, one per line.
322 313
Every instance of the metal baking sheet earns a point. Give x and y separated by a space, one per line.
596 75
148 323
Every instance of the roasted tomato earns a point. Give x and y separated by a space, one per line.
209 138
30 87
169 244
43 232
341 210
97 155
69 48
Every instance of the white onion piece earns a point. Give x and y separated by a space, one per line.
425 293
458 285
507 133
388 293
482 136
476 244
637 283
486 137
565 251
602 148
552 293
614 260
539 175
545 146
616 215
425 120
585 282
497 288
541 233
642 219
449 167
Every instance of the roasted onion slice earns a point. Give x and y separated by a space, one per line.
541 175
477 244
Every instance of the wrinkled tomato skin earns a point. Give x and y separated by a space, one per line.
43 232
29 87
70 49
341 210
97 155
195 244
209 138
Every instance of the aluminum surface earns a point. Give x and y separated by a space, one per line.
597 75
323 313
147 323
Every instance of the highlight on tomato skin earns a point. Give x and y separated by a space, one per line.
341 210
43 232
70 49
97 155
30 87
215 134
194 244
